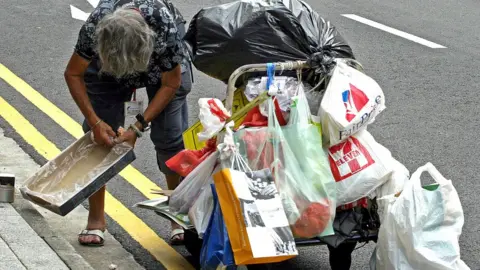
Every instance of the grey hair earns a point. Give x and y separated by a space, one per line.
124 43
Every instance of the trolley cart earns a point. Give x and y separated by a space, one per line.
367 219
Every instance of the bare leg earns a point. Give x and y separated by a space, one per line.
173 180
96 216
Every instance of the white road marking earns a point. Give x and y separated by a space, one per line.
94 3
79 14
394 31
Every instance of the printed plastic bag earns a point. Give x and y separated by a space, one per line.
422 226
201 211
187 192
216 248
187 160
212 116
257 226
359 165
352 100
395 183
305 186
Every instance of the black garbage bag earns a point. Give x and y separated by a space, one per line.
225 37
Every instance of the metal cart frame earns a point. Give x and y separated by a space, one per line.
288 66
370 235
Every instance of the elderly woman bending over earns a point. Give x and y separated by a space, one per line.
125 45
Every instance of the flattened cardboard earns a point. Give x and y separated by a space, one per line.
167 193
71 185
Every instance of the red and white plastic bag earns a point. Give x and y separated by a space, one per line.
359 166
352 100
213 117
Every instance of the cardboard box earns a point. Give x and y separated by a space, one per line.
75 174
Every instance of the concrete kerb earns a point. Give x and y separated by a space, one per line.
62 247
59 232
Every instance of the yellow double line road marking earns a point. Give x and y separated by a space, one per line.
134 226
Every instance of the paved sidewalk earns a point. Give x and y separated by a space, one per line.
34 238
21 247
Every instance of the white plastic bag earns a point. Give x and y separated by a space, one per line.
395 183
187 192
352 100
212 116
359 165
286 86
201 211
422 226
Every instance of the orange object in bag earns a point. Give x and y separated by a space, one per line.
256 223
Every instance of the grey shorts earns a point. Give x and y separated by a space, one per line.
108 95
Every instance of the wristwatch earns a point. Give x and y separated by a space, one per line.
142 121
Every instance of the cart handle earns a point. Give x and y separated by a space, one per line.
295 65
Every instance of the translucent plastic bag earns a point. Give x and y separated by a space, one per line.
422 226
201 211
184 196
306 188
287 90
306 144
212 116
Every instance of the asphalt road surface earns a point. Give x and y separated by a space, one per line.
431 95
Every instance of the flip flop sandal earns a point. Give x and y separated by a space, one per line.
176 232
98 233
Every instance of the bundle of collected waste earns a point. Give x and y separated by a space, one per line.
301 157
225 37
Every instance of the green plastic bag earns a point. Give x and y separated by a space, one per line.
302 176
306 140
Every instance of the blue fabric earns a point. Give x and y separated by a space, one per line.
270 73
216 248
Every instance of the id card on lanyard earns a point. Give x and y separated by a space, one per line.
133 107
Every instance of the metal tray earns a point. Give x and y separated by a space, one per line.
74 175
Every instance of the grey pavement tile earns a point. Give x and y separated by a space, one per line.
14 229
5 253
11 265
22 247
8 259
7 209
38 256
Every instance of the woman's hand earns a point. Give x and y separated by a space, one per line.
103 134
129 136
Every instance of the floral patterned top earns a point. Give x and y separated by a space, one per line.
161 16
